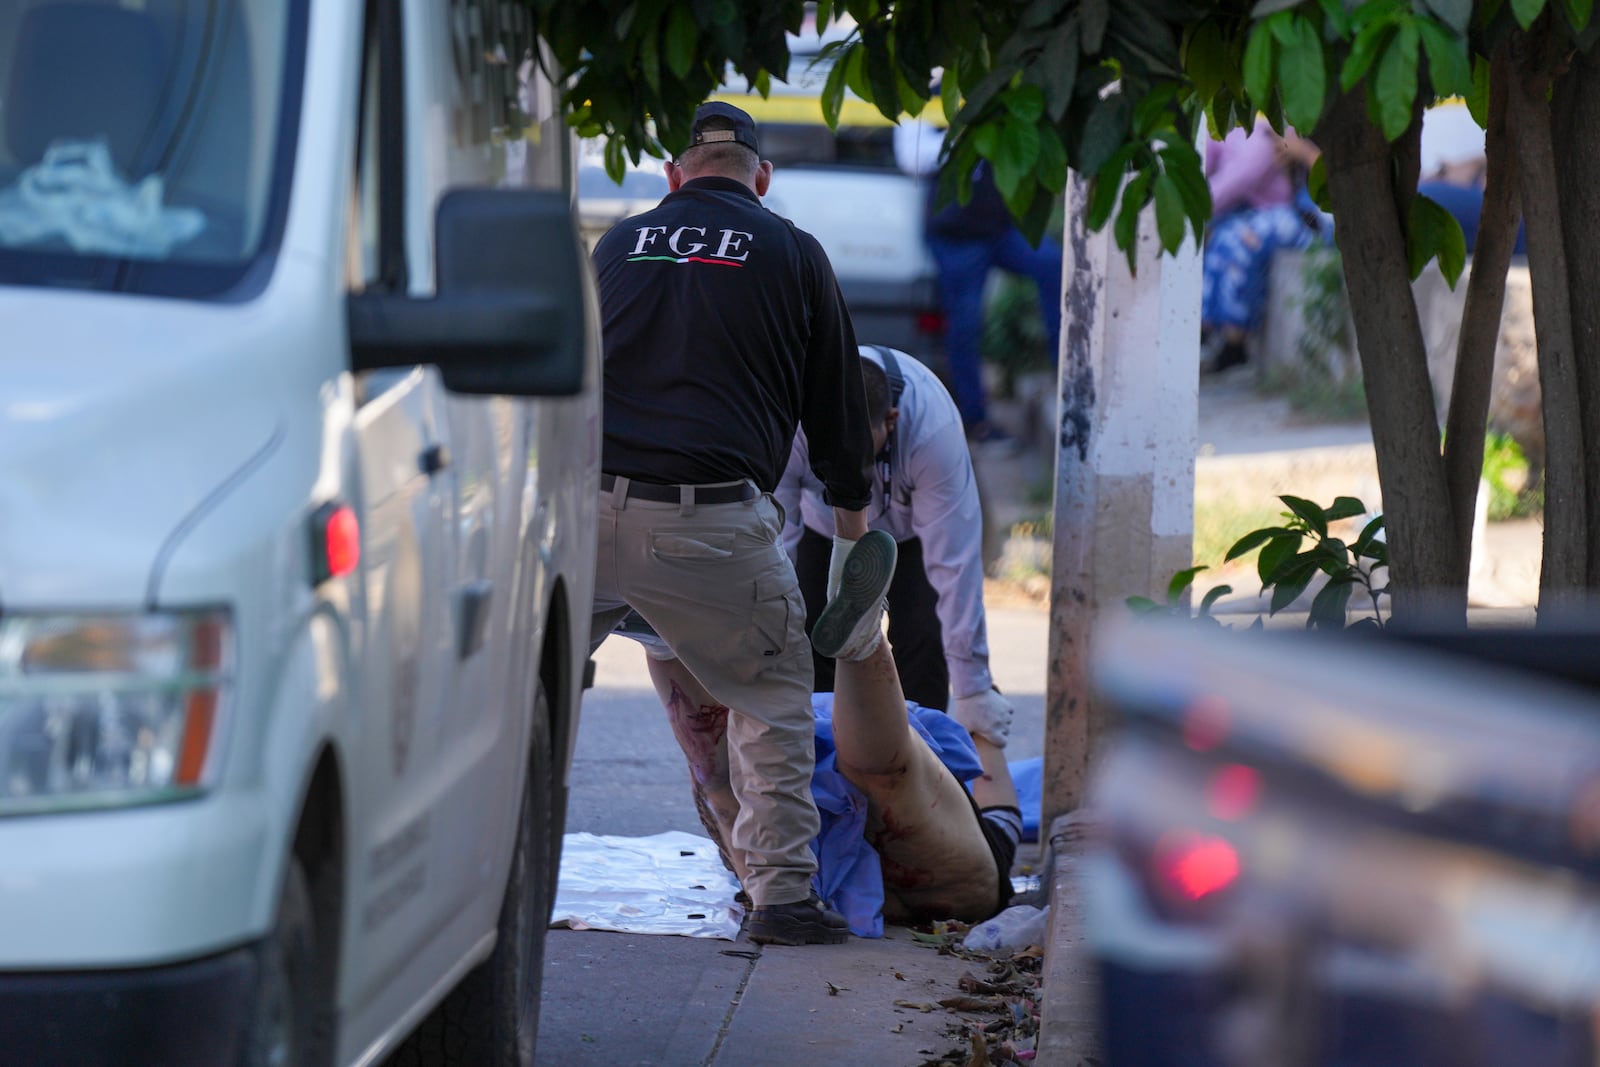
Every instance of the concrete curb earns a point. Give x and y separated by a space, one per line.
1069 1010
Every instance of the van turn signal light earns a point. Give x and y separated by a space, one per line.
335 542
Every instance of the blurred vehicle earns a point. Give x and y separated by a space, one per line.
1351 851
602 203
300 458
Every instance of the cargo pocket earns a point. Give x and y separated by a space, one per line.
767 638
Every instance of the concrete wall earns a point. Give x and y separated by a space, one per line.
1514 405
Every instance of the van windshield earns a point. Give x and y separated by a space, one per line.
142 143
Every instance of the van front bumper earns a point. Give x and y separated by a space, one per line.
191 1014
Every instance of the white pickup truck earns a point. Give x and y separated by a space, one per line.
299 436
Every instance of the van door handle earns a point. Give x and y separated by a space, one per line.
434 459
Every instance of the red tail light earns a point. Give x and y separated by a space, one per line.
335 542
1196 866
930 322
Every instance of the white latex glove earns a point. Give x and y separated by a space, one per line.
841 549
986 715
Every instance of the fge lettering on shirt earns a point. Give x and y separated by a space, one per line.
686 243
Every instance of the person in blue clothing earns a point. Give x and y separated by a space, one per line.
967 241
902 837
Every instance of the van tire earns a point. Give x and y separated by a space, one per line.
491 1018
284 1017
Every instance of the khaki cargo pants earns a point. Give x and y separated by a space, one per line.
715 583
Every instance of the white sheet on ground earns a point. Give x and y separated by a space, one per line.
669 883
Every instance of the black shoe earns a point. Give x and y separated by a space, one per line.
805 922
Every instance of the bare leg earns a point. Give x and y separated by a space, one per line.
936 862
701 725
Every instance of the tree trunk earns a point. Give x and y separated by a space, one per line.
1424 559
1576 112
1565 565
1480 319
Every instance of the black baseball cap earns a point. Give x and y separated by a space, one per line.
743 129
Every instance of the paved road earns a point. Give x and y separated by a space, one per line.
624 999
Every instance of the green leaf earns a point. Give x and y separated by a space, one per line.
1135 195
1478 96
1302 74
1448 66
833 96
1335 555
1169 212
1364 50
1206 60
1051 168
1329 606
1274 553
855 70
1457 14
1212 596
1432 231
986 139
1290 586
1142 605
1096 13
650 60
1526 11
1345 507
682 36
1368 536
1578 13
1182 164
1180 582
1396 81
979 98
1105 187
1255 538
1103 132
949 95
1059 66
1015 155
1026 102
1317 185
1264 8
1258 64
1310 514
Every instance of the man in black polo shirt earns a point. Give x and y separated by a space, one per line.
724 329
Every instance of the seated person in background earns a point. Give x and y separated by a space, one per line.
1253 214
901 838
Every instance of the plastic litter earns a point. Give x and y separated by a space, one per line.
74 193
1011 931
668 883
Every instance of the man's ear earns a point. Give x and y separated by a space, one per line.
891 417
674 176
763 177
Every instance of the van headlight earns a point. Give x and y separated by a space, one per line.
110 710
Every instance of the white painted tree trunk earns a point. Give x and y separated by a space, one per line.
1124 492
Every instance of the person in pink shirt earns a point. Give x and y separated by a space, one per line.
1253 214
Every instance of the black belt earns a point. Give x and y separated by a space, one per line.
673 494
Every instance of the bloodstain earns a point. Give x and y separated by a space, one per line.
700 729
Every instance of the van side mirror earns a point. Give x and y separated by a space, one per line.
509 315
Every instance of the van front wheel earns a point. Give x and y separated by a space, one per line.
283 1021
491 1019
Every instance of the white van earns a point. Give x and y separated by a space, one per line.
299 448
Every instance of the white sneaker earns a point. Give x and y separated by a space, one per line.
851 626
